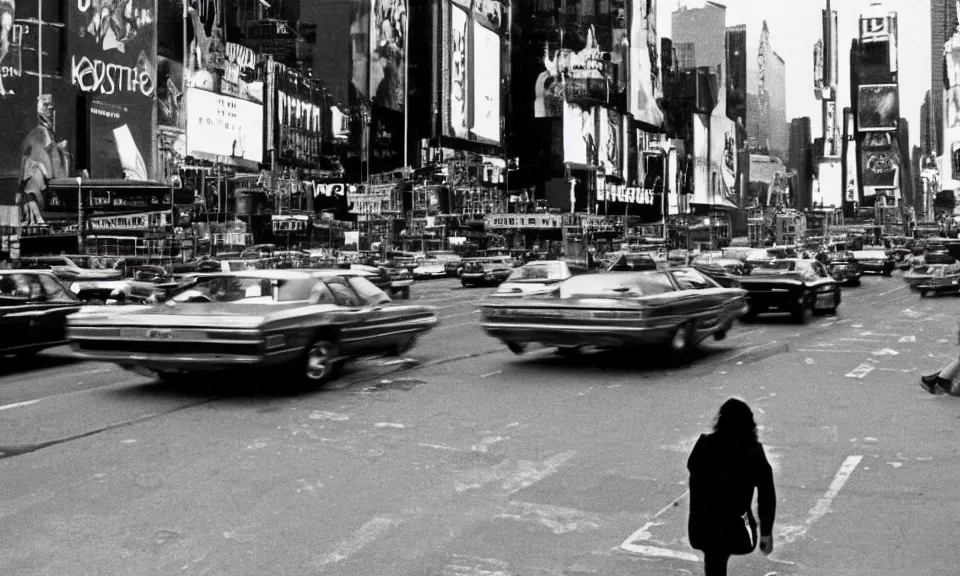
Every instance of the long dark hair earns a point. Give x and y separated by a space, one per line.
735 424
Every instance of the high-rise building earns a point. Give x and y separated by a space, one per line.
799 160
943 23
767 122
700 36
928 131
906 165
736 73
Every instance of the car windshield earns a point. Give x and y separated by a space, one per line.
617 285
240 289
537 272
631 263
938 258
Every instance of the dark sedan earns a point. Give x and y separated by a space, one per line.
794 286
34 306
875 261
844 268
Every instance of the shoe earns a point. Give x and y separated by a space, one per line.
943 385
929 382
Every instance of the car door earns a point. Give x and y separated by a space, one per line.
823 285
53 302
354 333
16 313
699 297
387 325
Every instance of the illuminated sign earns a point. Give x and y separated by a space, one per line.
628 194
506 221
873 29
224 126
290 224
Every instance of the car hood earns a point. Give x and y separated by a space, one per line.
219 315
429 268
87 274
527 288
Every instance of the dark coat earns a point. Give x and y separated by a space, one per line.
722 481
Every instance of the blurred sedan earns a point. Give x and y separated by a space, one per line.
540 277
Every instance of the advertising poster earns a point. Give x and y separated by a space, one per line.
486 83
609 141
360 44
851 189
388 53
645 82
169 94
113 60
298 118
701 160
878 107
579 71
579 135
39 128
723 161
881 167
220 125
459 45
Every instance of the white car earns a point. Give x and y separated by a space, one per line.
538 277
434 265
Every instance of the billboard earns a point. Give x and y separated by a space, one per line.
298 116
360 44
736 72
881 166
113 58
388 53
701 160
577 70
459 46
723 161
878 107
852 181
485 59
645 80
610 141
579 135
220 125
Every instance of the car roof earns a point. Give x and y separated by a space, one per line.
28 271
290 274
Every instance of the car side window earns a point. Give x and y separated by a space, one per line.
344 294
819 270
13 288
371 295
691 280
321 294
54 291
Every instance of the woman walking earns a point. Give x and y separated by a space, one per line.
725 468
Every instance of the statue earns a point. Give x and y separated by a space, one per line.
41 159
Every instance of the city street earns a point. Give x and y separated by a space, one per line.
461 459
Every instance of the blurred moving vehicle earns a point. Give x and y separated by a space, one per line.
937 272
435 265
843 267
392 280
875 261
34 306
794 286
676 308
306 323
68 270
724 271
485 271
630 262
538 277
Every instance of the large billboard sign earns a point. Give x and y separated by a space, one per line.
881 165
851 181
388 53
459 77
485 83
878 107
645 79
578 70
113 61
579 135
220 125
473 80
610 142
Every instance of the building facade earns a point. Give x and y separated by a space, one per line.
767 98
800 161
943 23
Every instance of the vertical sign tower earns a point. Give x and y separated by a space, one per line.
825 89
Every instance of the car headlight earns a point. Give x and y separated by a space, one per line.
75 288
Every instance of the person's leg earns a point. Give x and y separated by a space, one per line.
715 563
941 380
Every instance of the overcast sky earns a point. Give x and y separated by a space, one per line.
795 25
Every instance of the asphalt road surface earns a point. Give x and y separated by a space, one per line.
465 460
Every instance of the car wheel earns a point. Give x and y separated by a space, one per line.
401 347
923 293
568 351
319 361
683 341
517 348
802 311
855 282
888 273
464 284
405 294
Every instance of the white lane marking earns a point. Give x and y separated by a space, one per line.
791 533
907 339
20 404
861 371
439 447
364 535
528 476
631 544
885 352
888 292
833 350
489 374
859 340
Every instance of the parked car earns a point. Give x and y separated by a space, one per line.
304 322
936 272
875 261
539 277
434 265
34 306
790 285
676 308
486 271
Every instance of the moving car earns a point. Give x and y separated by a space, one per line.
676 308
875 261
790 285
485 271
539 277
392 280
34 306
937 272
723 271
434 265
631 262
843 267
68 270
304 324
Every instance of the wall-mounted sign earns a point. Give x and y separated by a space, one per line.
224 126
329 190
142 221
290 224
873 29
534 221
628 194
